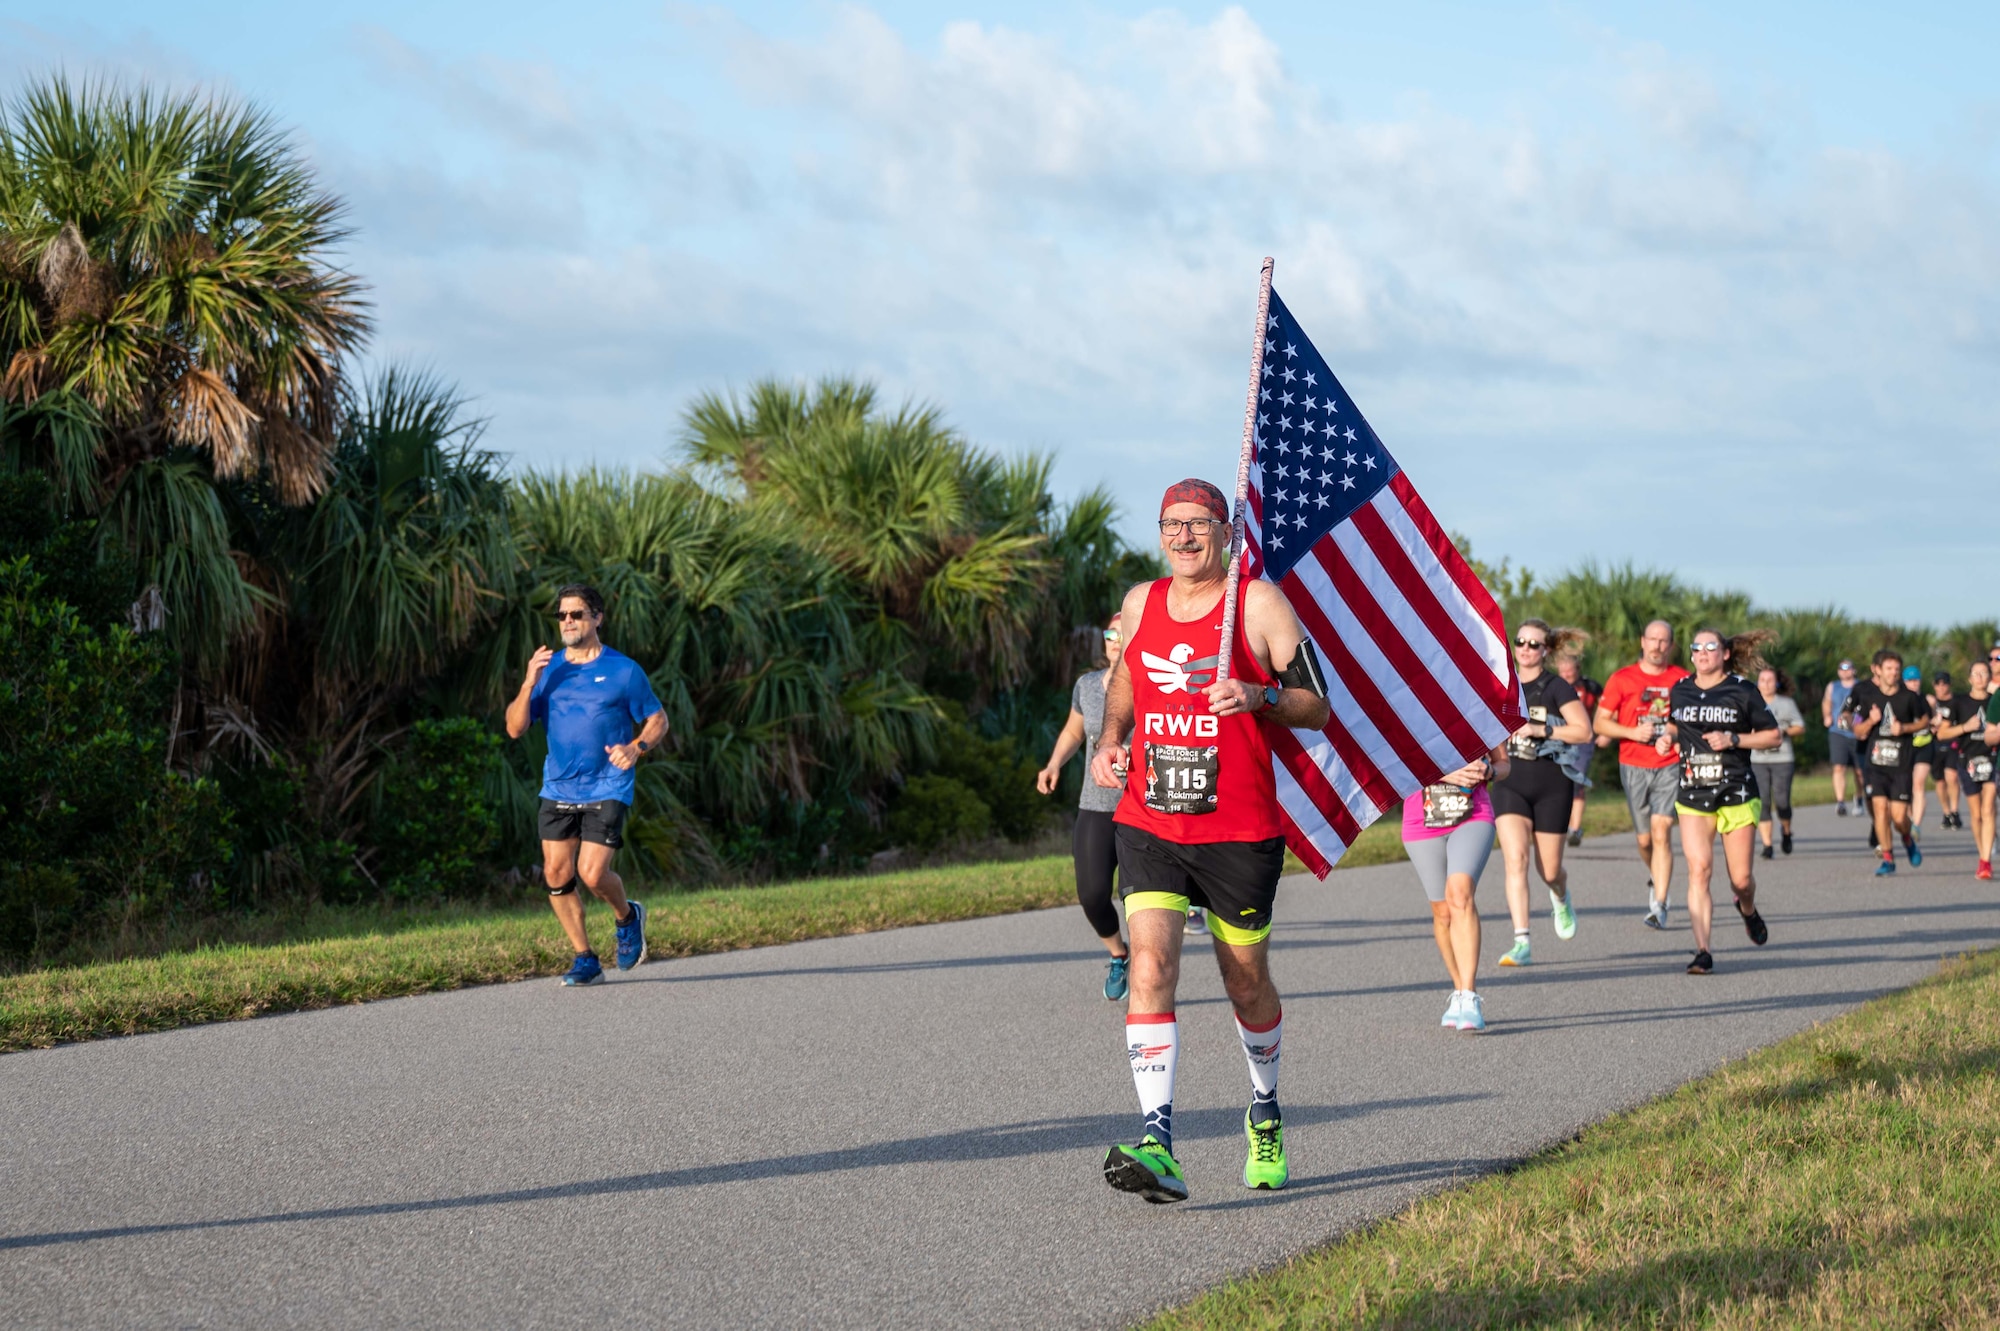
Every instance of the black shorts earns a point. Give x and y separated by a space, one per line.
1935 756
1236 882
601 822
1894 784
1535 789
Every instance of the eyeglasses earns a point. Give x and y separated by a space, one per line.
1112 635
1195 526
564 616
1532 644
1704 646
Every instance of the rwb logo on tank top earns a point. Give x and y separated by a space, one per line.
1180 672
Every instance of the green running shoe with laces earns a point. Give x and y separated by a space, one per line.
1517 955
1265 1166
1148 1169
1565 915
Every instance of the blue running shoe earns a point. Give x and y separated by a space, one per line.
1116 986
586 969
1916 852
1885 868
632 938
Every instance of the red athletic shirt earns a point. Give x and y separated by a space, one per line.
1182 754
1631 693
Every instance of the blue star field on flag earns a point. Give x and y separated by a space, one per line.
1318 458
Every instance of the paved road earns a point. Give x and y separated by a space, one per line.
901 1129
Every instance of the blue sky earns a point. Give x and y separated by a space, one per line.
1691 285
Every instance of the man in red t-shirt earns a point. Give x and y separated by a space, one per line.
1199 822
1632 711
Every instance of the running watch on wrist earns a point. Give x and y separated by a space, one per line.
1271 696
643 746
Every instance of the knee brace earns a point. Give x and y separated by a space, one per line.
564 890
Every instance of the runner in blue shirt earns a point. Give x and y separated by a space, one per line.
589 699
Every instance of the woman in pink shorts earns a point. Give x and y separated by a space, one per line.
1448 833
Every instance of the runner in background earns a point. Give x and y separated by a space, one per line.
1570 667
1774 767
1842 752
1975 761
1921 770
1977 746
1091 844
1531 807
1633 711
1948 715
1718 720
1448 833
1886 715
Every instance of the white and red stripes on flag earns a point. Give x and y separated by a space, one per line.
1415 651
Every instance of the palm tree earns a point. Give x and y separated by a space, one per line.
169 317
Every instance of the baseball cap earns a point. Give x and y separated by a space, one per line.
1911 672
1941 677
1847 665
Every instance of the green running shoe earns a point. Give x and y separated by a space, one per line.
1565 915
1265 1166
1147 1169
1517 955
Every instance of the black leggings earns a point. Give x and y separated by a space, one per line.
1095 851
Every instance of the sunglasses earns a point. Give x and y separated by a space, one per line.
1112 635
1534 644
1705 647
564 616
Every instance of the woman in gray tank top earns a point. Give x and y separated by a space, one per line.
1091 843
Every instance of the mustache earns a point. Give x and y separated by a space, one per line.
1188 546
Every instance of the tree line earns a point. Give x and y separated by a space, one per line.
258 616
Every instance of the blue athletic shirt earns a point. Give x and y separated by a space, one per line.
586 707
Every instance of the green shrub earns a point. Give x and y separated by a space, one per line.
933 812
91 821
436 827
1003 780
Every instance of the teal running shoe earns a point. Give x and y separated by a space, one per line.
1116 984
1916 852
1517 955
1265 1166
632 938
1148 1169
586 969
1564 913
1451 1010
1472 1014
1885 868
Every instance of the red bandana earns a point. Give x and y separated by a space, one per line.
1192 491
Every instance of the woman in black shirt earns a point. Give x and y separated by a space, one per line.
1716 717
1531 805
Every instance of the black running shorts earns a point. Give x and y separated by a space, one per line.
1236 882
1537 790
1894 784
601 822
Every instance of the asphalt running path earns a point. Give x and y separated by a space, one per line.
900 1129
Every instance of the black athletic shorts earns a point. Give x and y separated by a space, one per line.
1894 784
1936 756
601 821
1236 882
1537 790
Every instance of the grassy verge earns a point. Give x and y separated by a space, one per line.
409 954
1849 1176
322 957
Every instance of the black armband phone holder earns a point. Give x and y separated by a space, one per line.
1304 672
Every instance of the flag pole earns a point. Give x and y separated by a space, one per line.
1235 577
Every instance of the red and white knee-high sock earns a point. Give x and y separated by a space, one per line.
1260 1048
1153 1043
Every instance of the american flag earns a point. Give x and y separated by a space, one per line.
1415 650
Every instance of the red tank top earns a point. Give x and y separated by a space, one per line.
1196 778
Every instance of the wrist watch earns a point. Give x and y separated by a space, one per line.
1271 696
643 745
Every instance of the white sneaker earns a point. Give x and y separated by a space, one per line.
1454 1010
1472 1014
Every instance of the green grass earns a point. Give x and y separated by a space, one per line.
308 959
382 956
1849 1176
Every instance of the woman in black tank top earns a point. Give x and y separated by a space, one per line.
1531 806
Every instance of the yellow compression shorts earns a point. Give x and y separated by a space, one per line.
1730 817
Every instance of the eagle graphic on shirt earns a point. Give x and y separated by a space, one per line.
1177 673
